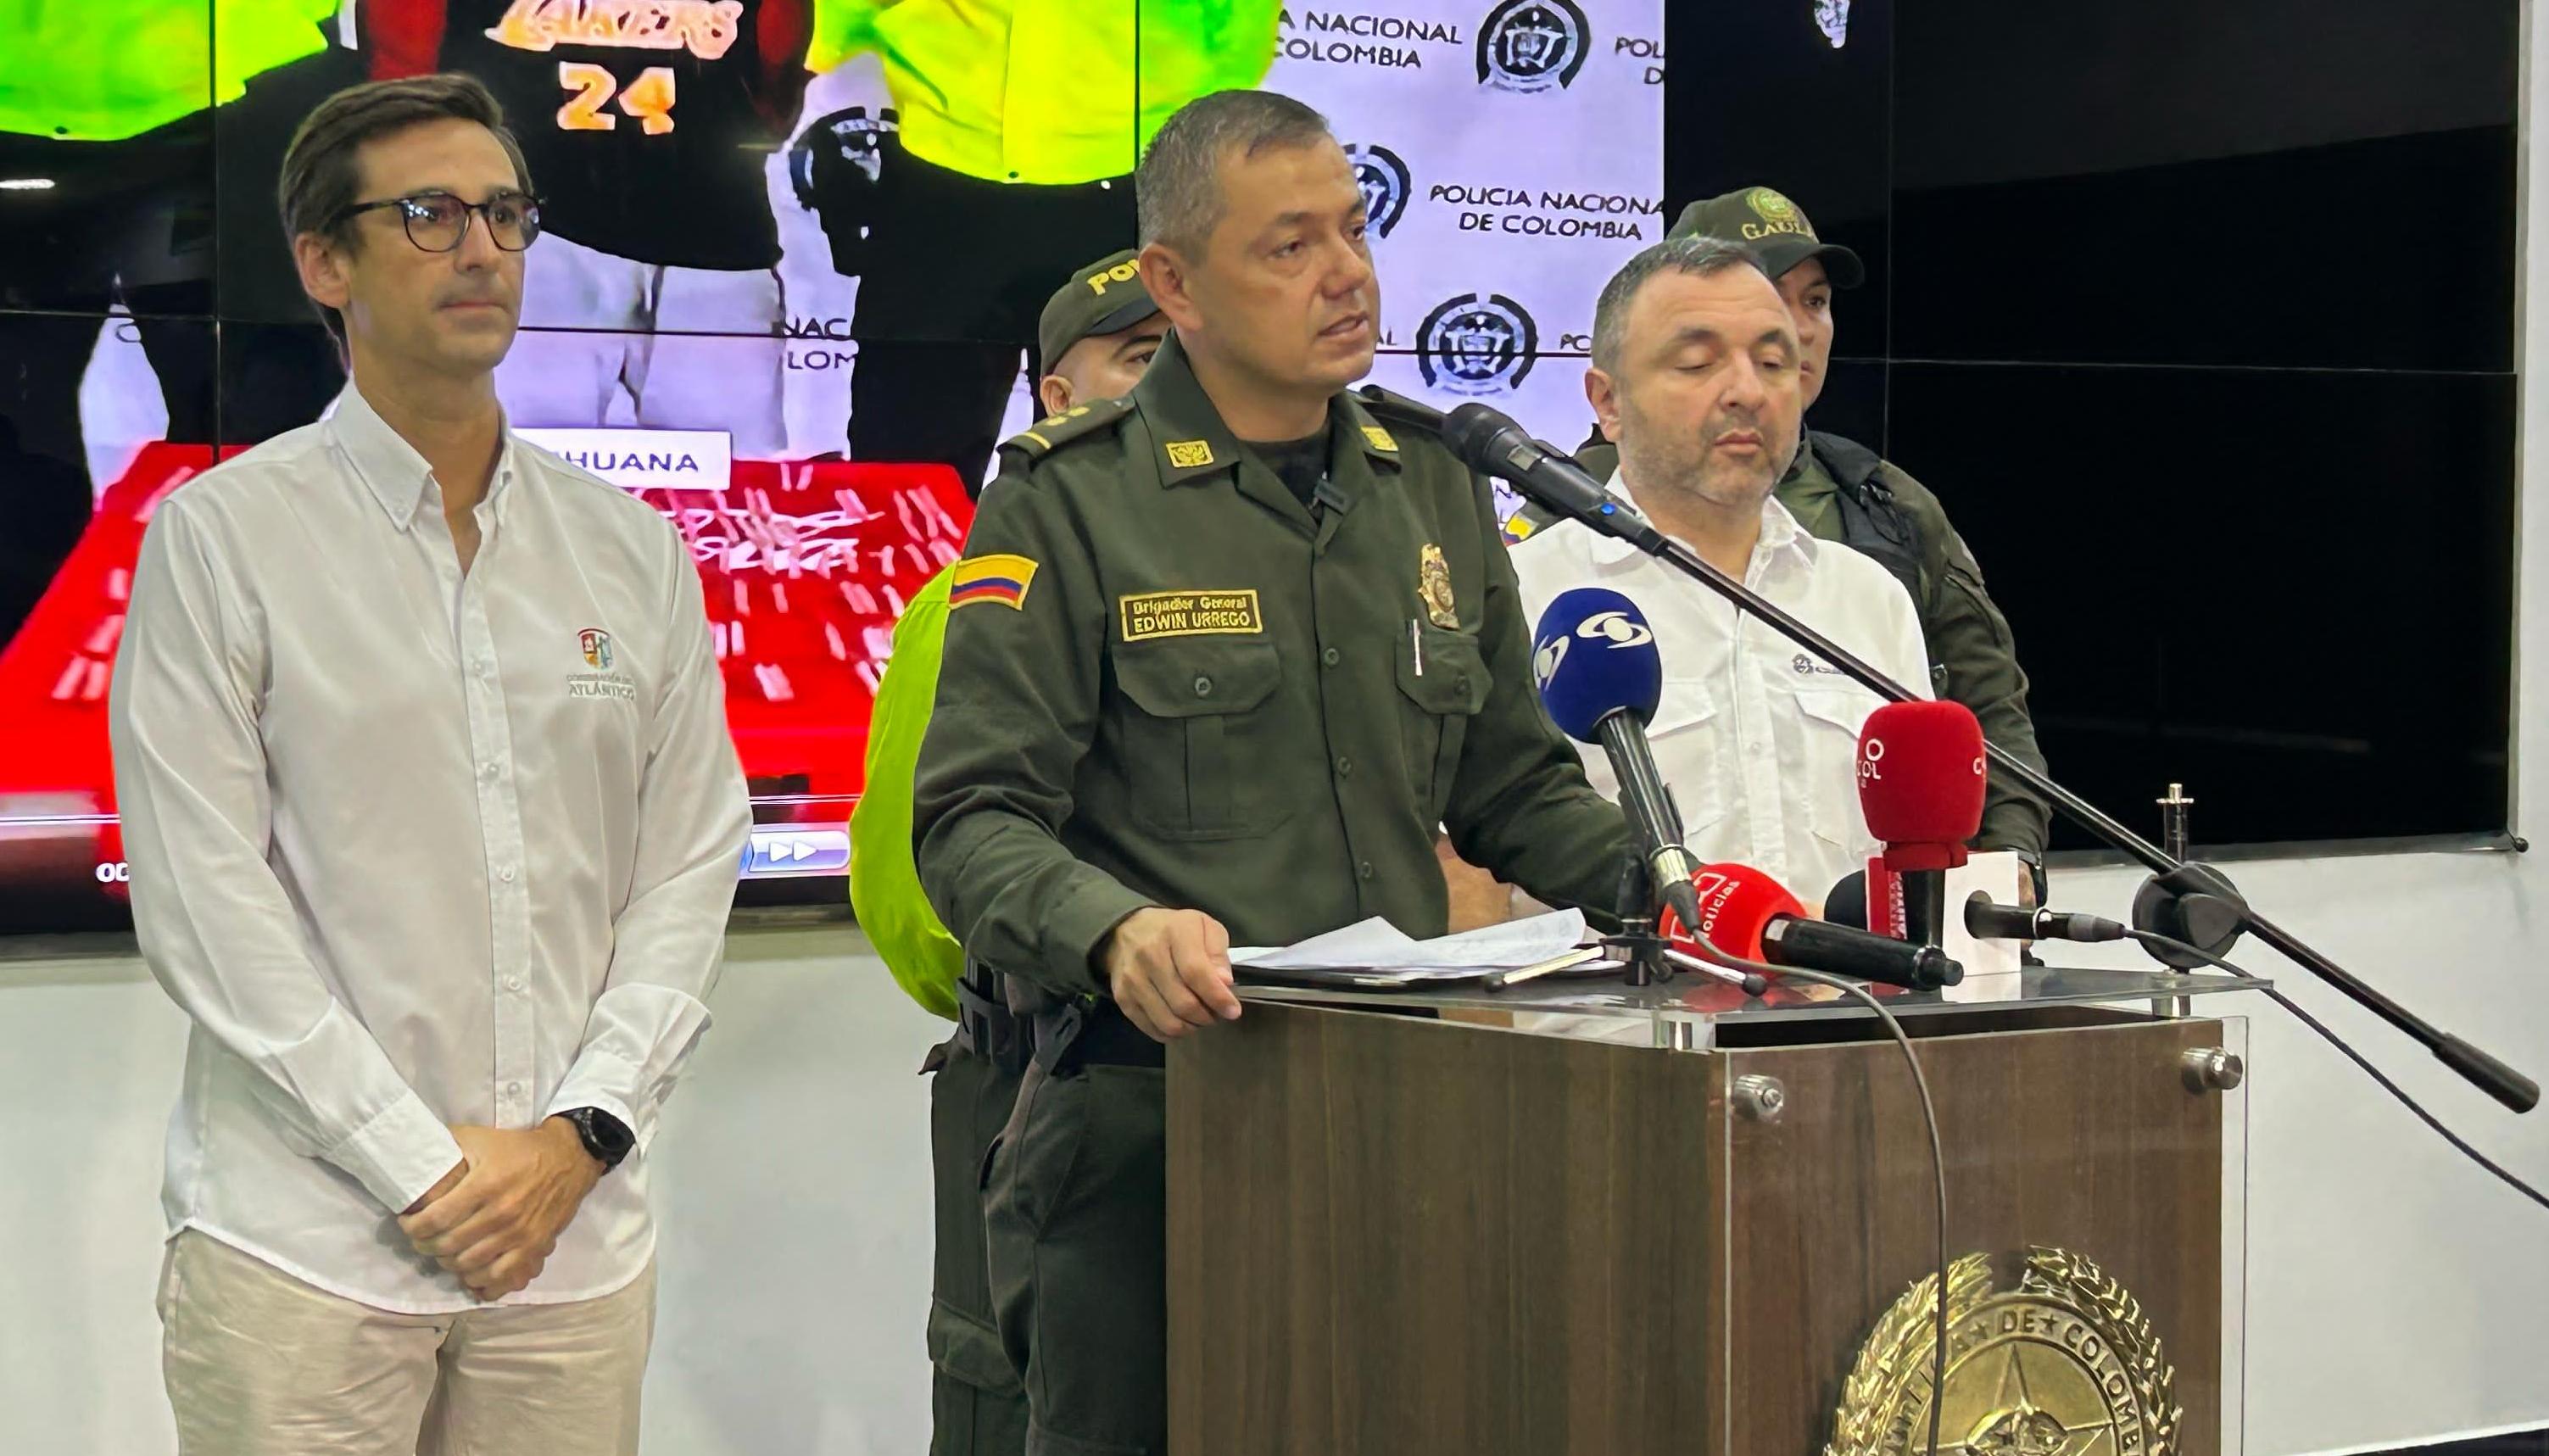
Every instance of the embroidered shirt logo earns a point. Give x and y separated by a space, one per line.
602 656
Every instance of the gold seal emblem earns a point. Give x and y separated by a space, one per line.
2064 1365
1187 454
1434 584
1772 207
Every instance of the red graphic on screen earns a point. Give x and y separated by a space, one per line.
806 568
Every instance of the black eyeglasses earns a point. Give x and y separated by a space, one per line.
437 221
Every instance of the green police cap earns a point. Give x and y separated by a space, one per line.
1772 227
1105 297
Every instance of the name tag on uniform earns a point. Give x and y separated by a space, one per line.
1189 613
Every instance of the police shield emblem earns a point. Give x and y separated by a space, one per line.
1434 584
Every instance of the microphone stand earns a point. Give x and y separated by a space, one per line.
2477 1067
1639 944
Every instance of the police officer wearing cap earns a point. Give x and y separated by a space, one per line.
1840 490
1221 656
1097 336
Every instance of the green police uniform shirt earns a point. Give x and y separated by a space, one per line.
884 880
1169 682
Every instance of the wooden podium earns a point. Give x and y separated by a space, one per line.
1394 1230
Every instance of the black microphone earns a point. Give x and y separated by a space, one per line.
1745 912
1846 905
1494 445
1986 921
1599 675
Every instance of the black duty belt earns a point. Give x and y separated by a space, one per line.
1095 1034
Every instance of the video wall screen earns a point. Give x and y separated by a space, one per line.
794 254
2199 319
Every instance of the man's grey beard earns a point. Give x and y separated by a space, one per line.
1651 469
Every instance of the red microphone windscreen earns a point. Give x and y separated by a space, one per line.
1735 905
1922 774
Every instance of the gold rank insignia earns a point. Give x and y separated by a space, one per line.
2066 1364
1187 454
1434 584
1379 439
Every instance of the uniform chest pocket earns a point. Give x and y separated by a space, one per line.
1829 720
1200 738
1442 678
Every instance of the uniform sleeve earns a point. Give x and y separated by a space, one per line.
1971 639
1520 804
884 880
216 926
668 941
1016 711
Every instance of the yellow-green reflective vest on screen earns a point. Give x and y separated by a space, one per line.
884 879
1044 91
102 70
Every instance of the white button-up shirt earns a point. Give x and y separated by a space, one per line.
415 848
1758 737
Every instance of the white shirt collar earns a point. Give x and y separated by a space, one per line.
1781 533
395 473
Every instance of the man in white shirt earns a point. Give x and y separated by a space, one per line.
433 823
1696 376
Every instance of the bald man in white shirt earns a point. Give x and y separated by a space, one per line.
434 825
1695 375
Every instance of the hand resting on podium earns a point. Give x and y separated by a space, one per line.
1169 971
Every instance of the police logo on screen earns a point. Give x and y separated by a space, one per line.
1533 45
1385 184
1474 346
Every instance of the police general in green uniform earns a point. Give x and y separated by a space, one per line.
1096 336
1220 658
1840 490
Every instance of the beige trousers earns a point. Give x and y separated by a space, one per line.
260 1364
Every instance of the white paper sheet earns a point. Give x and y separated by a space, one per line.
1376 945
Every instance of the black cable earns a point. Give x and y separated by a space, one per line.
2147 938
1937 1156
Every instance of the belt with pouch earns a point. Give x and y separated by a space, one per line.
984 1024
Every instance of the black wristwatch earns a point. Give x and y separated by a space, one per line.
602 1135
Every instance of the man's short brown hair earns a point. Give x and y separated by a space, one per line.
321 174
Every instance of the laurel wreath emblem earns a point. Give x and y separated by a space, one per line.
1890 1378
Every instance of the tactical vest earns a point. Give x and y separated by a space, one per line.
1872 521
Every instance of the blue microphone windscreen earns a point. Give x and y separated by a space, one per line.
1592 656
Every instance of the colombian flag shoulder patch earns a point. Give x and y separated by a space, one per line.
1003 579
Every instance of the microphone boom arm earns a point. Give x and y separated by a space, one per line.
2483 1071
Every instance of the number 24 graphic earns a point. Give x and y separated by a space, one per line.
649 98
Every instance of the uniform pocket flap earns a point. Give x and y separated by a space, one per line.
1847 708
1683 704
1197 679
968 1349
1444 672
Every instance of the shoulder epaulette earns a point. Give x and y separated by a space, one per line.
1528 520
1400 408
1053 432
